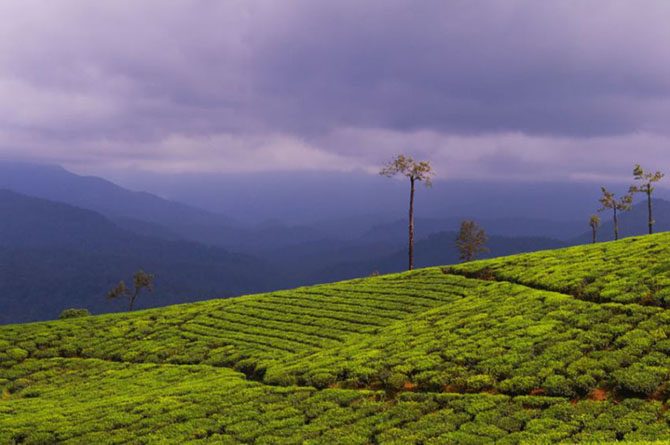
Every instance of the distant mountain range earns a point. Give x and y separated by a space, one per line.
54 256
57 184
631 223
511 227
146 213
74 237
436 249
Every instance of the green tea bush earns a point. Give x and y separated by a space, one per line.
640 380
537 348
17 354
633 270
74 313
519 385
557 385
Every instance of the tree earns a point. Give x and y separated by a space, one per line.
416 172
141 280
594 222
609 201
471 241
646 181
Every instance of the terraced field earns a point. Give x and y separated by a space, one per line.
562 346
634 270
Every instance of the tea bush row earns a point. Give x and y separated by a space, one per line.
633 270
81 401
506 338
247 332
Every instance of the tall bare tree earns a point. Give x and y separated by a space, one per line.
415 171
645 184
610 201
141 280
594 223
471 241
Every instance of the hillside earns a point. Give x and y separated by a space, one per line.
54 256
437 248
559 346
518 227
55 183
146 213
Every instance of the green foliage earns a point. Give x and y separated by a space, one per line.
471 240
418 357
639 379
74 313
634 270
130 402
141 280
408 167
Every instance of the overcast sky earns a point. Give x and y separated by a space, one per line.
573 90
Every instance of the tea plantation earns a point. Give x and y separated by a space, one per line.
553 347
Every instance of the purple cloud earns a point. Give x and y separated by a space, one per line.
524 89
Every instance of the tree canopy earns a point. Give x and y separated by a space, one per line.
141 280
407 166
471 241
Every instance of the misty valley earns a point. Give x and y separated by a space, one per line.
66 240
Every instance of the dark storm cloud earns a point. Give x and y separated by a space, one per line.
252 85
564 68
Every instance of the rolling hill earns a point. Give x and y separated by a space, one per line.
437 248
570 345
54 183
54 256
146 213
520 227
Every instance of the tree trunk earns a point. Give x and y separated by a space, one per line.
651 216
132 300
616 224
411 224
595 234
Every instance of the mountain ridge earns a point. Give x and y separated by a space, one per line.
54 256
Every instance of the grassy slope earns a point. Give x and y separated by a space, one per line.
488 351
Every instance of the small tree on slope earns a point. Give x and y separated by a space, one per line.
414 171
609 201
471 241
141 280
645 184
594 223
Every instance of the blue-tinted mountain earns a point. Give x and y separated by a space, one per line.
148 214
54 256
57 184
436 249
632 223
508 227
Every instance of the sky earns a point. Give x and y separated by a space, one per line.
511 89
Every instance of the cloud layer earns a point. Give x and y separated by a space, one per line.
505 89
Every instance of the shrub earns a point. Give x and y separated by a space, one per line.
478 383
395 381
18 385
585 383
518 385
74 313
638 380
557 385
17 354
280 377
321 379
